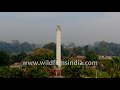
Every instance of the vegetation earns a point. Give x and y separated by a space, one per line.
113 67
40 54
4 58
72 71
11 53
16 46
17 57
31 72
50 46
101 48
91 56
36 72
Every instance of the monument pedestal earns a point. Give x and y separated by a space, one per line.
58 72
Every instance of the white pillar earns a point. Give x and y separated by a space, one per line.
58 46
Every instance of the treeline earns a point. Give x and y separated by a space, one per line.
106 48
15 46
101 48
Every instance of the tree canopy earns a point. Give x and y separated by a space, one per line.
4 58
91 56
43 54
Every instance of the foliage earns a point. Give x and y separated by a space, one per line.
16 73
28 58
87 71
4 72
36 72
86 49
102 47
4 58
71 71
65 51
43 54
91 56
7 72
16 46
49 70
27 72
113 66
77 51
106 48
18 57
50 46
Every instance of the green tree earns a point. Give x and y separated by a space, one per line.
50 46
77 51
36 72
25 46
91 56
112 66
108 64
116 66
28 58
49 70
86 49
4 58
103 48
87 71
4 72
16 73
65 51
7 72
71 71
43 54
18 57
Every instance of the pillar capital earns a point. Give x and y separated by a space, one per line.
58 27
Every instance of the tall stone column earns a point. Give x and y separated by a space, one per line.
58 46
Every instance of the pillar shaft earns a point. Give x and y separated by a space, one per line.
58 46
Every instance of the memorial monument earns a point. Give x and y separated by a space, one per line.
58 51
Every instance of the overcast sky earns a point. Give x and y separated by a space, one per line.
78 27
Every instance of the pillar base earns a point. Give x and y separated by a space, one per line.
58 71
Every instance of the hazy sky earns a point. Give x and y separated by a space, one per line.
78 27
